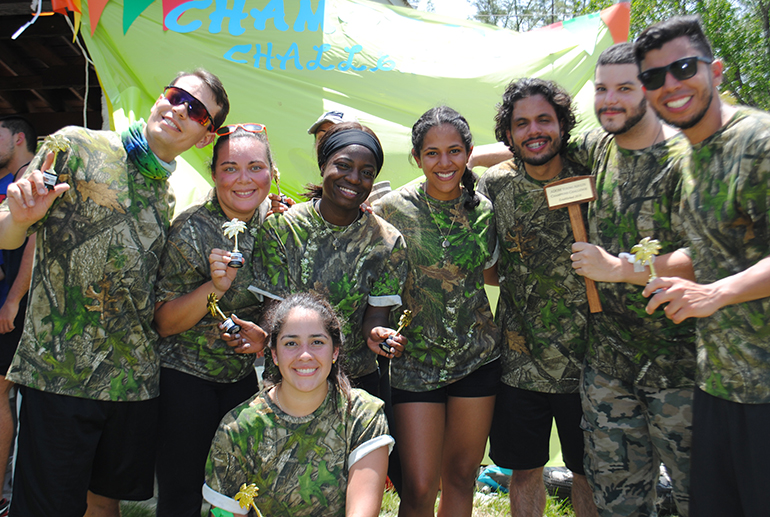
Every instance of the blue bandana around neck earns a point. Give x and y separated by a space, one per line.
140 154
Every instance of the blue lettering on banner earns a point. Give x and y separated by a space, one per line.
307 19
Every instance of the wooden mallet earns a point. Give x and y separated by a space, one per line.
571 192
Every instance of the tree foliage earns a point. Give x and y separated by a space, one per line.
739 31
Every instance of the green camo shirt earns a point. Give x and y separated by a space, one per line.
453 332
726 213
88 331
184 266
636 197
299 464
355 265
543 307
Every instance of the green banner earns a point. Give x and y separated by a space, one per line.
284 62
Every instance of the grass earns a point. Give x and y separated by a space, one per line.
484 505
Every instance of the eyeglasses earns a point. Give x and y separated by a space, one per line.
232 128
682 69
196 110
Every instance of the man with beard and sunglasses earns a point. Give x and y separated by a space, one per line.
88 358
639 374
542 307
725 212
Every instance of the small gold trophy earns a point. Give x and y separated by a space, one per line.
229 326
246 496
644 253
403 322
232 229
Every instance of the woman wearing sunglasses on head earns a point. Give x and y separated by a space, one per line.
329 245
202 376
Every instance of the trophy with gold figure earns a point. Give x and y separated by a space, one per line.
403 322
229 325
644 254
232 229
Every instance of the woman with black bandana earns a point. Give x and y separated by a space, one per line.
330 246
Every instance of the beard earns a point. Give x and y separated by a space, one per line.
539 159
692 121
632 119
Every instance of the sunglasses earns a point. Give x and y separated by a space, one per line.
196 110
232 128
682 69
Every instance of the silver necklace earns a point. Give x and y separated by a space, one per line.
330 228
445 242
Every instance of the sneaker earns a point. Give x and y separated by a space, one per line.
5 505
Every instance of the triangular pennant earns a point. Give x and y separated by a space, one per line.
618 19
131 11
95 9
586 28
168 6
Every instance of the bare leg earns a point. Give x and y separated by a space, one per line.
420 435
582 497
100 506
6 427
463 451
527 493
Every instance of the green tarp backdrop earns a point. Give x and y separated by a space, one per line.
284 62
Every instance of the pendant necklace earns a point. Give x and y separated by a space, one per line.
445 241
331 228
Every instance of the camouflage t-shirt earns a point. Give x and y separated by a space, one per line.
88 330
453 332
636 197
355 265
726 213
184 266
299 464
543 308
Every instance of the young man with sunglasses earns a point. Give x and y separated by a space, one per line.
725 212
638 378
87 359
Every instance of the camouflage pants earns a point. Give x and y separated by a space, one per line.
629 430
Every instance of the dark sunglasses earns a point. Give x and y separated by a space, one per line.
196 110
682 69
232 128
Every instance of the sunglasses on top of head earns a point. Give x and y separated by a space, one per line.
196 110
232 128
681 69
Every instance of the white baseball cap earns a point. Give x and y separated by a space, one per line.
335 117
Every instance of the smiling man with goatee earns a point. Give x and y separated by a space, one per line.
543 308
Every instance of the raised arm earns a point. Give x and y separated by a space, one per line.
28 201
183 312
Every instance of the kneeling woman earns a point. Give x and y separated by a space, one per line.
310 443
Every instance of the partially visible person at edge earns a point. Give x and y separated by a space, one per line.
448 373
725 212
638 378
201 377
309 443
87 358
542 308
329 245
18 140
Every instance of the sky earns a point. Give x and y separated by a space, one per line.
457 8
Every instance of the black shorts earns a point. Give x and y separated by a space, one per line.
729 457
9 342
483 382
70 445
521 429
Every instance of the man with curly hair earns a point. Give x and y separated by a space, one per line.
542 308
